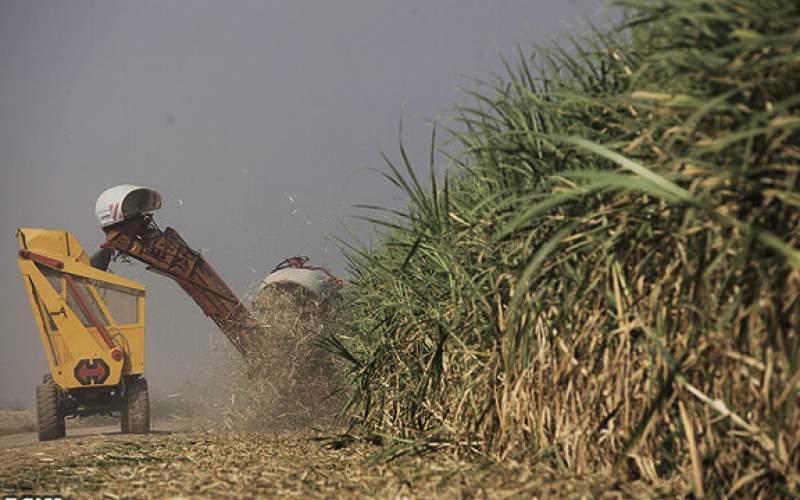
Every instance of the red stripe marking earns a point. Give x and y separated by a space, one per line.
41 259
88 312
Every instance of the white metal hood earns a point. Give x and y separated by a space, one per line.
126 200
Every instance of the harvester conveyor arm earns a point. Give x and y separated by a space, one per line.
166 253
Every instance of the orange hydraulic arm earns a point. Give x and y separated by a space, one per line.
166 253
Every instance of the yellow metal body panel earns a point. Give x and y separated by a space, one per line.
67 334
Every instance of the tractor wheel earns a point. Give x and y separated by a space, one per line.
136 417
49 421
62 429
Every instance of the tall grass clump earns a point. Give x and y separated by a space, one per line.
609 277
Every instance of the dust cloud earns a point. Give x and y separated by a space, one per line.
288 382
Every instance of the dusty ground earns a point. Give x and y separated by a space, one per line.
23 422
101 463
17 421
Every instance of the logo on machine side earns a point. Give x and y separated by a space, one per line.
91 371
62 312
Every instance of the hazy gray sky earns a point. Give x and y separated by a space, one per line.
228 109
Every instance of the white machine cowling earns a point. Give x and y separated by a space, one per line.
122 202
314 280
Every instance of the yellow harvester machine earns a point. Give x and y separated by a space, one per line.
91 322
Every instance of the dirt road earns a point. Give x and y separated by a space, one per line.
100 462
77 432
30 438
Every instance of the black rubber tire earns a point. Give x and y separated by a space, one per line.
50 422
62 428
138 407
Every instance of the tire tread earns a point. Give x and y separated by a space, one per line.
50 423
138 407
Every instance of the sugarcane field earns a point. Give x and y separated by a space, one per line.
491 250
